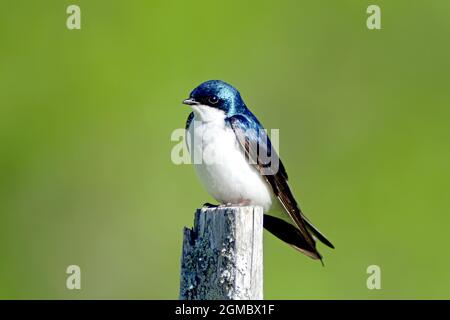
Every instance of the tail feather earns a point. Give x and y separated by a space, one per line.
317 233
291 235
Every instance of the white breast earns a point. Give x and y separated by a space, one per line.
220 163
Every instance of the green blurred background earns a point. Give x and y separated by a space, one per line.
86 118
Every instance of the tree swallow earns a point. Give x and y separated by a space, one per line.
233 149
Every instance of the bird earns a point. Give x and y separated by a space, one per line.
225 141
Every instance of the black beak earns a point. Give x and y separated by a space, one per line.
190 102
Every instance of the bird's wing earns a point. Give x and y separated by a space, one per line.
188 123
189 120
258 149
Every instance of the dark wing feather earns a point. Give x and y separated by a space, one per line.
255 144
189 120
188 123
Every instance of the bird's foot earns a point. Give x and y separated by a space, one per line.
244 203
209 205
241 203
223 205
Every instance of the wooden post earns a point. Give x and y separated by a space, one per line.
222 256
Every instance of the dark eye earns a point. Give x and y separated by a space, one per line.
213 99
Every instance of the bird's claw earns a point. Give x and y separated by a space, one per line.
239 204
223 205
209 205
228 204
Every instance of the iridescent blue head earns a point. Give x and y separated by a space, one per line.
217 94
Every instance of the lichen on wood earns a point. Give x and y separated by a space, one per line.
222 255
